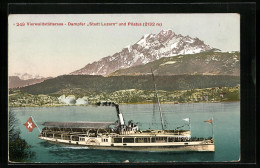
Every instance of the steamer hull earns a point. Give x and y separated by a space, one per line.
95 143
177 148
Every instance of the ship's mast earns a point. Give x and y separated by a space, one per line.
155 88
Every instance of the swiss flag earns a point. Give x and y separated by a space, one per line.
30 125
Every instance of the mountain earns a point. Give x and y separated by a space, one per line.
26 76
149 48
16 81
94 83
206 63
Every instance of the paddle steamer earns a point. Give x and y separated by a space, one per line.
120 135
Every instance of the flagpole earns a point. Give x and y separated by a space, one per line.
212 128
190 125
36 124
190 128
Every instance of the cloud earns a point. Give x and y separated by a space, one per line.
70 100
81 101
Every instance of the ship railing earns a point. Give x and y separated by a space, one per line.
200 139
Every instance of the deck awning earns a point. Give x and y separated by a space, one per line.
93 125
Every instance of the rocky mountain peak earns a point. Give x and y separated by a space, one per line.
149 48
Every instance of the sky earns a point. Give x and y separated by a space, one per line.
57 50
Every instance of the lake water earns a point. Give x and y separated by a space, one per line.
226 119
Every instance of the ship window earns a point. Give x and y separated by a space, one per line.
146 139
128 140
142 140
104 140
117 140
161 139
170 140
75 138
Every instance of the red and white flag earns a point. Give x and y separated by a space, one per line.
209 121
30 125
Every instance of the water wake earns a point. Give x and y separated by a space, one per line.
73 147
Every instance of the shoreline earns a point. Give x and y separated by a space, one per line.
61 105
